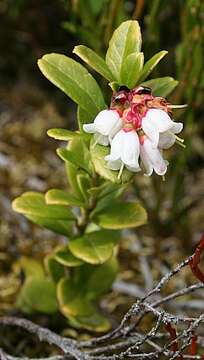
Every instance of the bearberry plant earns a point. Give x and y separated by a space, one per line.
114 141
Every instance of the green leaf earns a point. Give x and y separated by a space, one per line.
53 268
94 322
33 203
126 40
95 247
73 79
38 294
98 153
62 134
94 60
131 69
75 146
83 118
60 197
121 215
74 158
105 198
84 183
70 299
151 63
80 157
64 256
53 217
161 86
100 278
62 227
31 267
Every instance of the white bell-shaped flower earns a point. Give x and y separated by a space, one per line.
125 149
157 121
106 124
151 158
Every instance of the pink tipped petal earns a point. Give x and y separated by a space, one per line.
166 140
177 127
151 131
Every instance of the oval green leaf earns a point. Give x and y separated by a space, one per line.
121 215
151 63
95 247
126 40
73 79
94 60
131 69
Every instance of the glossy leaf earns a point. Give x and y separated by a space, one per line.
100 278
72 157
151 63
126 40
71 300
95 322
121 215
84 183
161 86
53 268
31 267
72 78
53 217
33 203
83 118
60 197
64 256
62 227
94 60
131 69
95 247
62 134
38 294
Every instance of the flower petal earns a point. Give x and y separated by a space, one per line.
151 131
114 165
154 156
160 119
130 149
177 127
101 139
166 140
105 121
116 147
146 162
89 128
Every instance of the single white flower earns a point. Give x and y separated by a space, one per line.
106 124
156 122
125 149
151 158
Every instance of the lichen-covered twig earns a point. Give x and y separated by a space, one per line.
170 336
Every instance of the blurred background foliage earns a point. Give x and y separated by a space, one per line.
29 106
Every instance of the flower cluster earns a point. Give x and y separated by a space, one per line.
137 125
